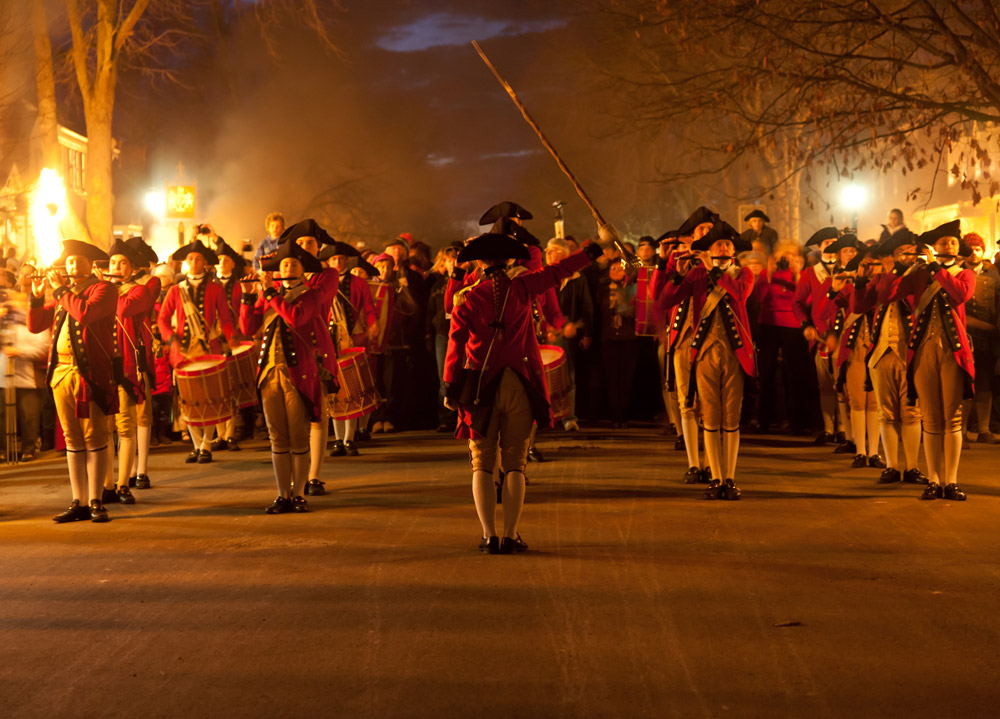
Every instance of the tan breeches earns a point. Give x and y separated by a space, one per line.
824 376
80 433
889 381
509 431
938 381
124 423
682 376
285 413
854 386
144 411
720 388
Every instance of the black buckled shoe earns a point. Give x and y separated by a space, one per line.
693 475
932 491
954 493
192 458
490 545
679 444
204 457
846 448
519 544
338 449
730 490
363 435
124 496
300 505
714 490
142 481
351 449
859 461
218 445
889 476
876 461
97 512
232 445
824 438
75 513
314 488
132 481
706 475
108 496
508 545
279 506
534 455
915 476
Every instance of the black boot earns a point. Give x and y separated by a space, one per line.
75 513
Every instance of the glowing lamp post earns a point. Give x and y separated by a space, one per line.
156 204
48 207
853 197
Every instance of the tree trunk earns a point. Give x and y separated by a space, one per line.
100 149
45 82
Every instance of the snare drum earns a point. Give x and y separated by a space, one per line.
203 390
242 368
357 395
556 380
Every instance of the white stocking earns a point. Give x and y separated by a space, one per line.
934 453
485 495
858 429
77 462
350 428
142 436
339 429
126 452
97 470
282 463
713 451
108 477
513 502
890 443
952 453
689 428
731 451
319 433
301 466
871 427
850 431
911 444
197 436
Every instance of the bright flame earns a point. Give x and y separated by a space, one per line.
156 203
48 207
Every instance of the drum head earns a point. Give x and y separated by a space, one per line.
243 348
551 354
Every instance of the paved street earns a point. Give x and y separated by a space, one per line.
820 594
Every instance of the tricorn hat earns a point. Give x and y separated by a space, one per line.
826 233
855 262
337 248
504 209
238 260
698 217
292 249
848 239
142 247
902 236
505 226
757 213
122 247
948 229
722 231
79 248
306 228
670 237
493 246
197 246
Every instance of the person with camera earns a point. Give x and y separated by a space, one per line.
81 315
494 375
289 370
196 319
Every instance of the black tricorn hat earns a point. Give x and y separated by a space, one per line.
826 233
504 209
757 213
306 228
337 248
848 239
122 247
493 246
670 237
79 248
197 246
237 258
142 247
948 229
902 236
292 249
855 262
722 231
698 217
506 226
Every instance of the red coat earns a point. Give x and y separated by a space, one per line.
91 315
215 309
304 338
738 288
134 303
325 282
516 346
776 296
359 297
153 284
956 290
811 298
851 301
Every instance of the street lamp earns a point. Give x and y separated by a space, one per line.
156 203
853 197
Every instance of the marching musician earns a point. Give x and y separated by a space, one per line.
204 324
295 356
82 317
887 358
940 364
146 258
352 323
309 235
134 304
722 351
811 299
495 378
229 271
853 346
